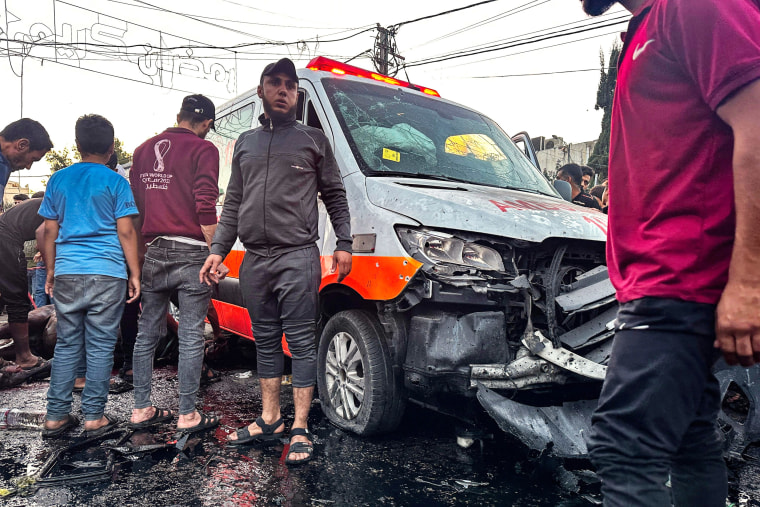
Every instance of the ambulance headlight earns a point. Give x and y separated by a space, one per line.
440 247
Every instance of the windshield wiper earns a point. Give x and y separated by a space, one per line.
528 190
428 176
442 177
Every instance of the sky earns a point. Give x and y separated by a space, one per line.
130 61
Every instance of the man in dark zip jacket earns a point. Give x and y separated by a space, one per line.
271 204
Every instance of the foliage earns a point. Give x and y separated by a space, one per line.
122 156
58 159
604 97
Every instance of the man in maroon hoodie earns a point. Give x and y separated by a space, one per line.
174 178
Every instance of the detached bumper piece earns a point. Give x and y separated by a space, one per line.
738 418
559 430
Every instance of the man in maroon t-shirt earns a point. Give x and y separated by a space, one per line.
683 176
174 178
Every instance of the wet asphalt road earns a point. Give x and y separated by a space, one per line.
418 465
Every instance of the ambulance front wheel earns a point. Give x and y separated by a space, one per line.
357 388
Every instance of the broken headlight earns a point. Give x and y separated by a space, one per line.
440 247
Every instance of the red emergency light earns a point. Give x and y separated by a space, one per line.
322 63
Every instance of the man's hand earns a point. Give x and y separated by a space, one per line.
37 257
341 262
213 271
49 282
133 285
737 326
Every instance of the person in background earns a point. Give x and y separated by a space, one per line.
572 173
597 193
19 198
40 273
682 247
131 315
175 178
586 178
22 143
89 235
19 224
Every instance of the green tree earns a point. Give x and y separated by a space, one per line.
122 155
604 95
58 159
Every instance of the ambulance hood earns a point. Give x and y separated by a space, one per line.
487 210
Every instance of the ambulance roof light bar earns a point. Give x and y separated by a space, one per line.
339 68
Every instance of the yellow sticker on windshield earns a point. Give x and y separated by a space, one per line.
391 155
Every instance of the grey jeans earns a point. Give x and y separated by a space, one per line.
165 271
281 294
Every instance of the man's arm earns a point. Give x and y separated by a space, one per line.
738 319
225 232
330 185
128 239
48 252
39 235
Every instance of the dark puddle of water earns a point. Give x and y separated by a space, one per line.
420 464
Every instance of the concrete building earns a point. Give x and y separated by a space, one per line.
11 189
553 152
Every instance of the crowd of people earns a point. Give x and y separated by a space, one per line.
107 243
682 250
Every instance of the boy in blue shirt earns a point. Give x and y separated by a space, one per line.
88 213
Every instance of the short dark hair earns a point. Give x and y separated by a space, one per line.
113 161
598 191
38 194
587 171
94 134
574 171
26 128
20 197
193 118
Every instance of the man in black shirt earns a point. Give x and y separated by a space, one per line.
17 225
573 174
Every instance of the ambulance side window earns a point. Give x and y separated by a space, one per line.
312 120
299 107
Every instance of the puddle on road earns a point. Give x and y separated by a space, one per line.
418 465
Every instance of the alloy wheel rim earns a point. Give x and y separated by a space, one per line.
345 375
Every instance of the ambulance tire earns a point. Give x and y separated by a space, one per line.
365 368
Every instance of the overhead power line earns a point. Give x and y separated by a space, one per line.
520 8
538 33
398 25
598 69
204 21
530 40
241 21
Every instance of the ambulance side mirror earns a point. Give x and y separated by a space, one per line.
564 189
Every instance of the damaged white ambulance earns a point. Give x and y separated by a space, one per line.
474 284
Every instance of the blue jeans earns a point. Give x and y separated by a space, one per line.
657 413
38 286
167 270
88 308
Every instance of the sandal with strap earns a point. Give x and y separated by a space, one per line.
300 447
207 422
267 433
160 415
209 375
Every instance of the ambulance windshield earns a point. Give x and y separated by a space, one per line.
394 132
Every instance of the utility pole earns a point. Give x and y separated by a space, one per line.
381 50
385 56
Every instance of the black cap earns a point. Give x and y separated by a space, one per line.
199 105
284 65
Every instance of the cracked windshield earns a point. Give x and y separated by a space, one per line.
394 132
